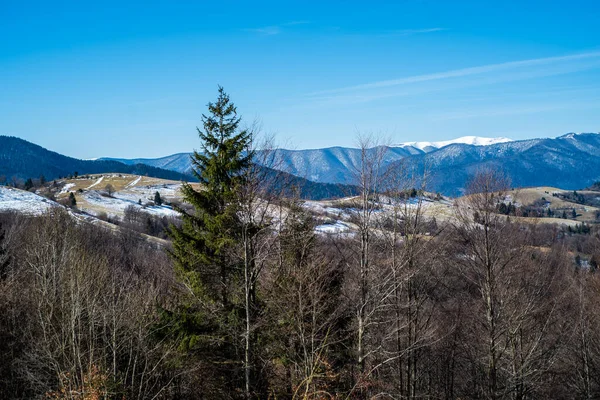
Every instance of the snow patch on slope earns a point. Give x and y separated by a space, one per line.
135 182
96 183
332 228
67 188
116 206
471 140
25 202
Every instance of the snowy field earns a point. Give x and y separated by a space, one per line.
25 202
67 188
146 193
335 228
334 217
116 206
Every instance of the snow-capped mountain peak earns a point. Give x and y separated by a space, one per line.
472 140
573 135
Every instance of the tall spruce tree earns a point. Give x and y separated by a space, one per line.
72 200
157 199
204 247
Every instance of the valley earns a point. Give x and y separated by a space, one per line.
108 196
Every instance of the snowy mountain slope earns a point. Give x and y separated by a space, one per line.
331 165
31 204
24 202
128 190
571 162
328 165
94 202
567 161
471 140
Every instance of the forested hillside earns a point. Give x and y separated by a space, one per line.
571 161
419 309
20 160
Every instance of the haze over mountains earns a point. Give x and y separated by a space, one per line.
571 161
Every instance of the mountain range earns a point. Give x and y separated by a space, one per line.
328 165
571 161
20 160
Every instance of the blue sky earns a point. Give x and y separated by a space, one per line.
132 79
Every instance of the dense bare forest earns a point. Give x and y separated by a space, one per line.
246 300
486 309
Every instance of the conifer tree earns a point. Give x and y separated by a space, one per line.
204 247
72 200
157 199
200 246
28 184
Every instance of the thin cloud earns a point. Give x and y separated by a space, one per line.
463 72
266 30
409 32
517 109
292 23
275 29
399 33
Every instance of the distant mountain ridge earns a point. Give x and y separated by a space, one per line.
179 162
21 159
330 165
472 140
571 161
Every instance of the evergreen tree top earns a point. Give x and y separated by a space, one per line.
225 146
221 124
